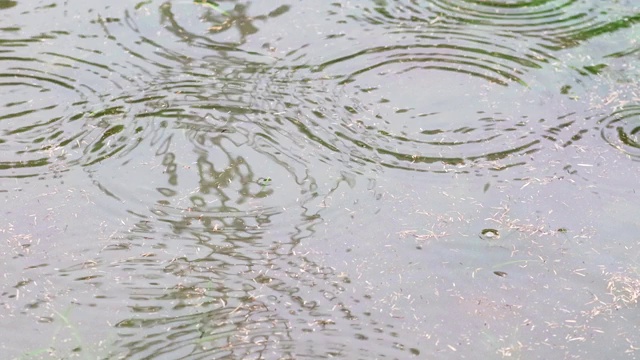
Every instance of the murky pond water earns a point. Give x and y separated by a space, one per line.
306 179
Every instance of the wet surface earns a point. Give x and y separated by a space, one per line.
286 180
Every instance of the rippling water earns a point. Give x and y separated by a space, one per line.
193 179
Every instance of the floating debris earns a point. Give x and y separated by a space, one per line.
489 234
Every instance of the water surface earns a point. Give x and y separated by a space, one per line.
288 180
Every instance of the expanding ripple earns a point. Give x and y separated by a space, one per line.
368 128
218 193
63 110
621 130
214 157
359 101
523 16
426 41
361 106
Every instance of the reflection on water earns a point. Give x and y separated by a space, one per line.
243 179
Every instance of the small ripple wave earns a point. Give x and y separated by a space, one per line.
373 123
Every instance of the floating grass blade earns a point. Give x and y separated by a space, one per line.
213 5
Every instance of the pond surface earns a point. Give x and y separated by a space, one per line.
308 180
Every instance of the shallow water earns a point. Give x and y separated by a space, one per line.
287 180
